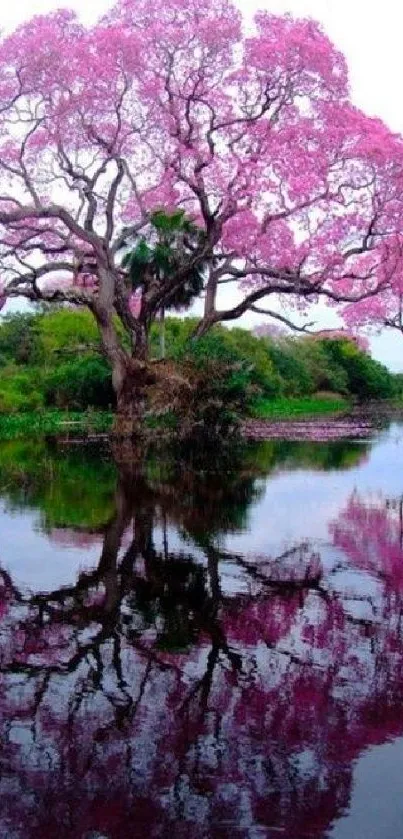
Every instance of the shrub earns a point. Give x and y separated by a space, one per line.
19 392
66 332
79 383
254 352
18 335
235 348
398 384
54 358
324 372
220 394
367 378
295 378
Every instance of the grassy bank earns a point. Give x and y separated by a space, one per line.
53 361
54 424
292 408
55 381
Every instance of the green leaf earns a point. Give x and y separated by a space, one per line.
168 222
164 258
142 254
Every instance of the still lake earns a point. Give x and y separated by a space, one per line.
204 649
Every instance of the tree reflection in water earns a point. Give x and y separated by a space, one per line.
149 697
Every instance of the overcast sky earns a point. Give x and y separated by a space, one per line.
370 35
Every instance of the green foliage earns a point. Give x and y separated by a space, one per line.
64 333
294 377
177 333
18 334
252 352
398 385
278 378
227 371
323 372
13 401
173 237
367 378
219 396
54 423
265 408
290 368
169 224
137 260
79 383
305 368
19 390
244 355
53 360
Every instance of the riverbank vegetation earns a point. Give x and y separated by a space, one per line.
54 377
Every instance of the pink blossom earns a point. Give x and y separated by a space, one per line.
157 106
3 298
135 302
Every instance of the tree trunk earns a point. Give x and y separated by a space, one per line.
162 334
131 403
204 325
131 375
131 392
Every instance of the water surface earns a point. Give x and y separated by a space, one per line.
203 649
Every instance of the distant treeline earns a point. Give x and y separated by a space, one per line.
54 359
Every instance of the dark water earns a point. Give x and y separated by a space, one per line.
205 650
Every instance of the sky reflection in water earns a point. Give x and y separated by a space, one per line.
202 652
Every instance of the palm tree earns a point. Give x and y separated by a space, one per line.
172 236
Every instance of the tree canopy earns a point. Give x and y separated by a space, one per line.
167 108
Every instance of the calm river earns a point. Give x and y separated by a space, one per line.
205 650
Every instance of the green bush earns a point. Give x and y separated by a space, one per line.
79 383
18 336
220 394
367 378
15 402
236 348
304 368
53 358
19 391
295 379
398 385
178 332
63 333
254 352
325 374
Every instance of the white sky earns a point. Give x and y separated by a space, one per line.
369 33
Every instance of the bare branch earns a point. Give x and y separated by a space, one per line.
286 321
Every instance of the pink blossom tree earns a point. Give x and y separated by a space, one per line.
374 313
296 194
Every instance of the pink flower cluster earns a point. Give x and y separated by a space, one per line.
255 137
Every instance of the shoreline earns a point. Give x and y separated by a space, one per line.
358 422
308 430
